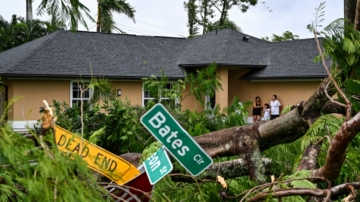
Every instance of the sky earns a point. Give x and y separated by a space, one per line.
168 17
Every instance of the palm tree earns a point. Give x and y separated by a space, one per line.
9 36
65 11
29 14
19 31
105 22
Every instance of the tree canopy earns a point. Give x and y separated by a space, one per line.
200 13
18 31
286 36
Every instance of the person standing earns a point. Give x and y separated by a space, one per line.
275 107
266 112
257 109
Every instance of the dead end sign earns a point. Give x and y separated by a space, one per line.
97 158
177 141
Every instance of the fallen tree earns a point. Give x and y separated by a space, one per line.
248 142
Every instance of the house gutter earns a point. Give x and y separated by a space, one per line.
6 99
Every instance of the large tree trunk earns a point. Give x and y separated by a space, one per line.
349 9
352 12
248 141
29 14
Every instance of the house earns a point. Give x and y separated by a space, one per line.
49 67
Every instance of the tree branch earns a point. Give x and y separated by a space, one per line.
344 188
310 156
293 192
330 98
348 103
337 150
226 169
313 106
215 6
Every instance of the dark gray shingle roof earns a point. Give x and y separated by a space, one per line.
290 59
110 55
224 47
70 54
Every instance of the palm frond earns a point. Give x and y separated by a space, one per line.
70 11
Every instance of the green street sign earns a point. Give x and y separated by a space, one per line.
177 141
157 166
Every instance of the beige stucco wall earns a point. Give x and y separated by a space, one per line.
190 102
30 94
222 96
288 92
130 90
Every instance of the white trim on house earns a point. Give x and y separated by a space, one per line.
22 126
71 91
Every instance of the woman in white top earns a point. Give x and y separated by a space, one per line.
275 107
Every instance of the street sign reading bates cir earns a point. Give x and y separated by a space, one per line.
177 141
158 166
97 158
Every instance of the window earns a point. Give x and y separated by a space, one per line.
163 99
75 93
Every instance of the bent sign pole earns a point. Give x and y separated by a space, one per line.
97 158
177 141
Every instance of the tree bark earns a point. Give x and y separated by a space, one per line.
349 9
357 16
337 150
223 13
310 156
226 169
331 107
29 14
344 188
133 158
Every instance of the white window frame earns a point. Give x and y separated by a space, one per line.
71 91
151 98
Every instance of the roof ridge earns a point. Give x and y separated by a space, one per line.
288 41
185 46
224 42
32 52
119 34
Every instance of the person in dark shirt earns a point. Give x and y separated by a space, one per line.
257 106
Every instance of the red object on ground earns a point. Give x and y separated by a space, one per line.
141 183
